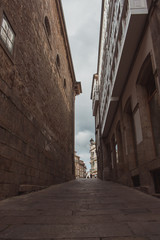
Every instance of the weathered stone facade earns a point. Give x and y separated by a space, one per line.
127 111
37 96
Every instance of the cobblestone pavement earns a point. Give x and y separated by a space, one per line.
81 209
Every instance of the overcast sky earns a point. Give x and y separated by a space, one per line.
83 22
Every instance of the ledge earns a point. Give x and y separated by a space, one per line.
30 188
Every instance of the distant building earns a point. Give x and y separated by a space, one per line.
93 159
76 162
80 167
126 94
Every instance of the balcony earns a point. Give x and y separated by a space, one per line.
132 22
77 88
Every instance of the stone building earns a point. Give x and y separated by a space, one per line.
80 167
76 162
126 94
37 94
93 159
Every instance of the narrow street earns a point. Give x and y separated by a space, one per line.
81 209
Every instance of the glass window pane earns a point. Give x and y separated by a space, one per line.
5 25
10 35
9 45
7 34
3 35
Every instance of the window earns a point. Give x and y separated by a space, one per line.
47 25
136 181
64 83
138 126
119 144
7 35
58 60
112 160
156 178
116 151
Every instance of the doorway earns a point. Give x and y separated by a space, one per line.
156 178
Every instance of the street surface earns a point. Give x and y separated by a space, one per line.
83 209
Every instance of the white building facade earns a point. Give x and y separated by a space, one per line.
125 95
93 159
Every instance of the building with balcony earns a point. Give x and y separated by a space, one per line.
127 112
93 159
80 167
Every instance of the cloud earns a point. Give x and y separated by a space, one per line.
83 22
83 145
83 12
83 137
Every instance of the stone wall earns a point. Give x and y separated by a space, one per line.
36 99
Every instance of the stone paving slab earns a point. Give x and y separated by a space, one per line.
91 238
57 212
155 210
154 238
132 238
81 209
43 219
3 227
66 231
97 212
145 228
138 217
109 205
